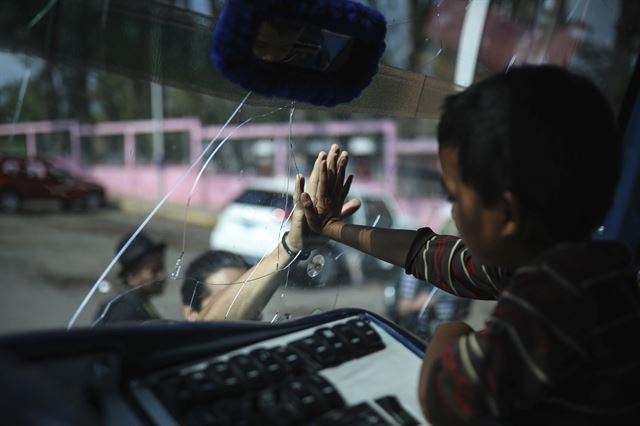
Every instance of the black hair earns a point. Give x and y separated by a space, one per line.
545 134
194 287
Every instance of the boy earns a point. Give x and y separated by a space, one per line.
530 160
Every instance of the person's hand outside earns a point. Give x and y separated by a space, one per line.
299 232
260 282
323 203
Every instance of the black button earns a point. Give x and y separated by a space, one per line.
295 364
240 411
394 408
354 339
328 394
332 418
269 364
363 415
317 349
204 384
274 409
230 381
267 402
298 393
357 415
369 335
252 373
338 345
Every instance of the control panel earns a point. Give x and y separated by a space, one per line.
352 371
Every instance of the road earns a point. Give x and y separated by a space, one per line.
49 260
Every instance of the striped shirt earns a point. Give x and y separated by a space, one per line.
561 346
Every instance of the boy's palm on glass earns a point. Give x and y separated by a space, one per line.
324 202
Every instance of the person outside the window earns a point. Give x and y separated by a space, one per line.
142 274
219 285
530 159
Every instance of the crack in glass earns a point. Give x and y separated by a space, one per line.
118 255
43 12
204 167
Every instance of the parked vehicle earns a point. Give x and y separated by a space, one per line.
251 225
34 179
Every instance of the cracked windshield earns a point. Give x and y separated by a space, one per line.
139 184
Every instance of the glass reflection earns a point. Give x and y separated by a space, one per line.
95 123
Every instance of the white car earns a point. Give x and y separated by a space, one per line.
252 225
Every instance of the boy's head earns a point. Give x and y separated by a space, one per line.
530 158
206 274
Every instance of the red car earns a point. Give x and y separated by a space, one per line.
33 179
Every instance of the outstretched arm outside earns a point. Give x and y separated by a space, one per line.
246 298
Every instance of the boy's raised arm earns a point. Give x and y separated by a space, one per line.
451 267
325 212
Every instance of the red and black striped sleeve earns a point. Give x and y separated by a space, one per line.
445 261
533 340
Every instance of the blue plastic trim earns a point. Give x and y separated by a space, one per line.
237 29
623 220
410 342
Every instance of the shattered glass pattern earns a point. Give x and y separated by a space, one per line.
174 145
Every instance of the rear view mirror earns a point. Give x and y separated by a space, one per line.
302 45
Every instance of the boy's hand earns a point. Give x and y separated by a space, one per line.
324 202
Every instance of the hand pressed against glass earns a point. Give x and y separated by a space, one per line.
324 201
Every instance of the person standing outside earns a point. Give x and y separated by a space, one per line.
221 286
142 275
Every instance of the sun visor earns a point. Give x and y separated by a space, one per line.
156 41
400 93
